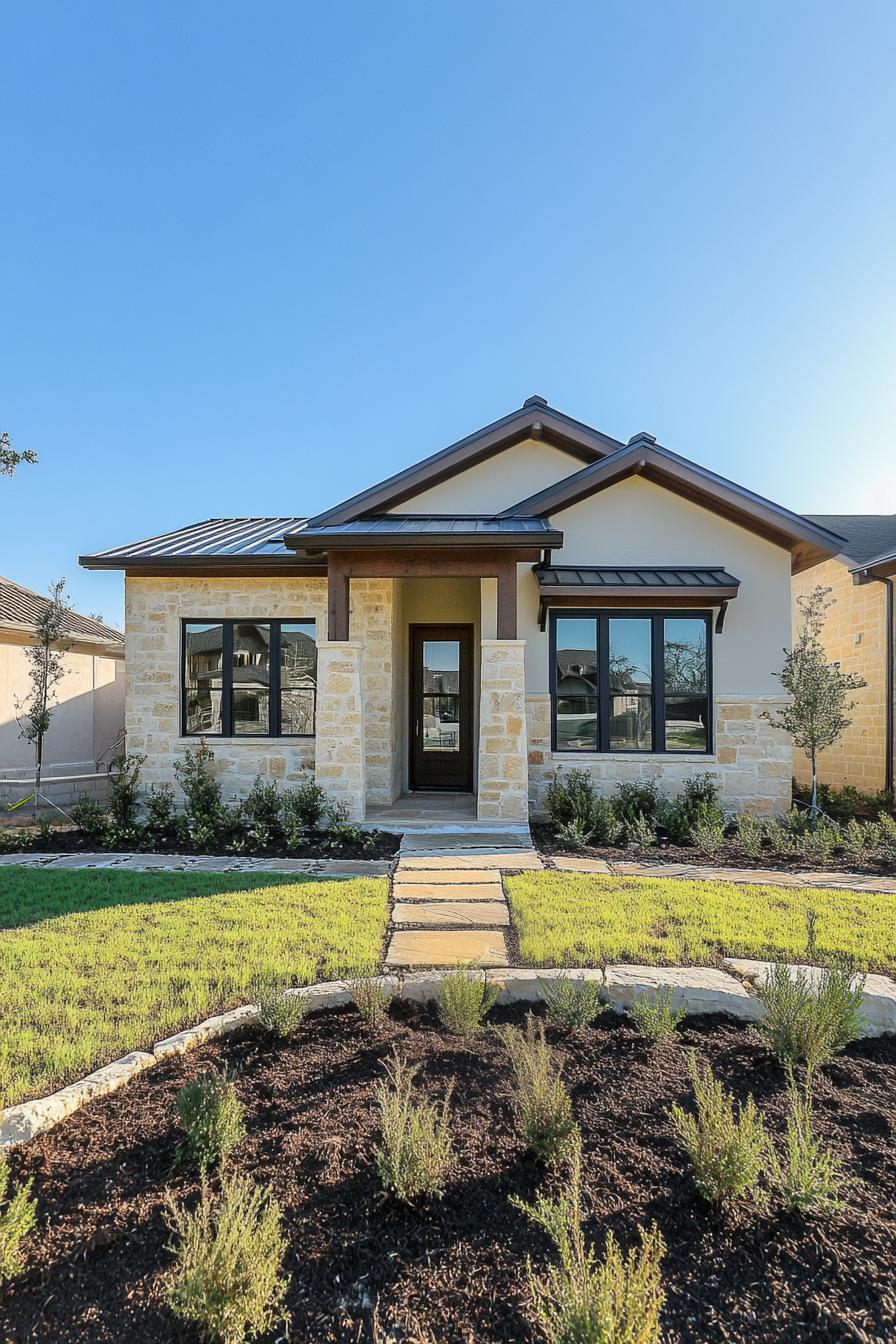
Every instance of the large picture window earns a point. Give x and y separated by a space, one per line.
248 678
631 681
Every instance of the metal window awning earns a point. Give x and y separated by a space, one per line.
700 585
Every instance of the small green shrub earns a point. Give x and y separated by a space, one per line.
886 838
570 798
640 832
280 1013
304 806
160 817
846 803
202 792
573 835
860 841
635 803
818 845
543 1105
751 835
416 1150
91 820
13 839
464 999
696 806
571 1004
810 1016
582 1301
810 1179
124 788
708 835
656 1018
262 806
18 1215
372 999
211 1113
728 1149
228 1280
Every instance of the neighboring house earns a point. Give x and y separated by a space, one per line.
88 718
859 634
536 595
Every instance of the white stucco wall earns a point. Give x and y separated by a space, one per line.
502 480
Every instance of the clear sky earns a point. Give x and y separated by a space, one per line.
255 257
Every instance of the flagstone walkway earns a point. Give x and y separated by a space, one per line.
448 898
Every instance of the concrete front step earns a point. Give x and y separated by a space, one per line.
459 842
447 947
483 914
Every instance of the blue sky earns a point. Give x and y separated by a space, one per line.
253 258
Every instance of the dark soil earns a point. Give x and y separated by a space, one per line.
365 1268
371 845
729 856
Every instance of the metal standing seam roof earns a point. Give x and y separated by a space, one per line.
634 577
21 608
440 528
216 537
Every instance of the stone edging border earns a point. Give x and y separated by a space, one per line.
696 989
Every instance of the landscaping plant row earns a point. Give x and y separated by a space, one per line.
227 1252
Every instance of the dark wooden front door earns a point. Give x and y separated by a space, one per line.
441 707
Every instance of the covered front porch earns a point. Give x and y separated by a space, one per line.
421 704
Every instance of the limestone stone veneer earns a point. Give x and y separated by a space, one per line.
503 784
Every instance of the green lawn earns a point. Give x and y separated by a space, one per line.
571 919
94 964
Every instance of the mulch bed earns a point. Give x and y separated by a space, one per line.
373 845
729 856
363 1267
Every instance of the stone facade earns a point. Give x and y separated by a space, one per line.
503 786
751 762
854 635
340 764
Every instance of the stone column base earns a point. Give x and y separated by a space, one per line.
503 767
339 726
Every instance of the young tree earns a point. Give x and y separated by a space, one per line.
47 668
816 717
9 458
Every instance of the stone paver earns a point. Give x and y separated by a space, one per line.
201 863
438 877
484 914
526 858
448 891
765 877
447 947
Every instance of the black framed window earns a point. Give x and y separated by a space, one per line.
631 681
248 678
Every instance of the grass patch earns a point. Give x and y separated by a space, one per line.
94 964
572 919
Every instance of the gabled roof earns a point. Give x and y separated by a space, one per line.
865 534
534 420
215 541
406 529
643 456
21 609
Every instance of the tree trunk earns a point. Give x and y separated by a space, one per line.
37 768
814 782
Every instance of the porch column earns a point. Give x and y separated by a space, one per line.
503 752
339 765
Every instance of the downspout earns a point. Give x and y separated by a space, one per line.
890 680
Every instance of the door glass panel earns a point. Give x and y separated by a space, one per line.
441 695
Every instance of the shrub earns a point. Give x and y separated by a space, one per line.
810 1179
160 818
809 1016
372 999
416 1150
573 835
640 832
696 805
633 803
581 1301
202 792
708 836
860 842
728 1149
656 1018
818 845
304 806
262 806
13 839
571 1004
751 834
570 798
886 838
543 1105
280 1013
18 1214
124 788
211 1113
228 1278
464 999
91 819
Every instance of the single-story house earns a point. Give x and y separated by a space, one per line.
88 719
536 595
860 634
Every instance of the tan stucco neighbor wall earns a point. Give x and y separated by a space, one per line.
155 608
854 635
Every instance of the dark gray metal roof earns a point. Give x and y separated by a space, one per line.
215 539
637 579
21 609
866 535
397 529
